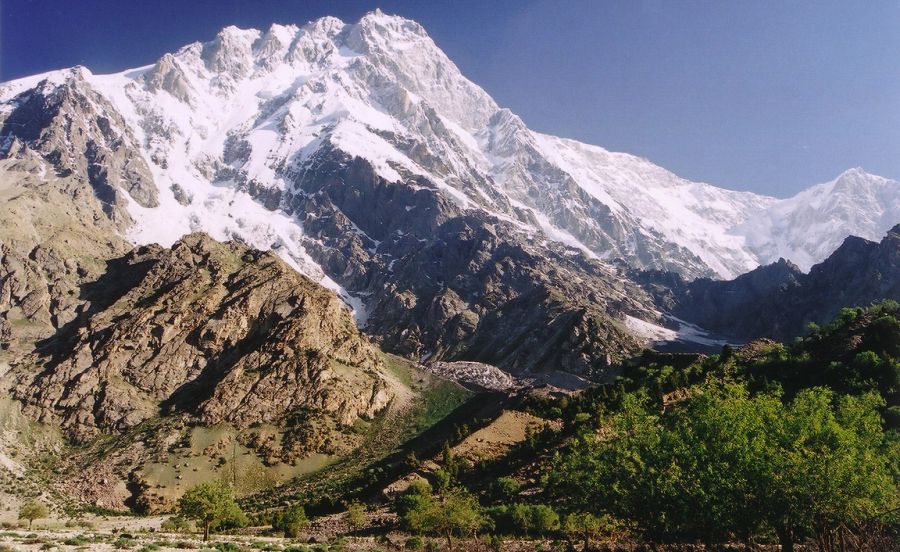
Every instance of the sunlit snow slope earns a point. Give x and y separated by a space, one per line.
230 127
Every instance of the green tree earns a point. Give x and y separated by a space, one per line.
442 480
537 519
504 488
208 503
413 504
450 463
729 463
290 521
727 353
520 514
530 442
453 513
356 515
32 510
542 519
459 513
834 468
412 462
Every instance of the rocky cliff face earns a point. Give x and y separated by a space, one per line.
69 168
214 331
445 282
55 237
255 110
78 132
217 332
778 300
428 276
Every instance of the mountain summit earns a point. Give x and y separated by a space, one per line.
368 162
233 125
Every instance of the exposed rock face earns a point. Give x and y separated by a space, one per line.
438 279
475 373
216 331
463 285
67 162
249 109
778 301
717 304
54 237
79 132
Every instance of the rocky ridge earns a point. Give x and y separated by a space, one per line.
55 238
778 301
212 331
382 90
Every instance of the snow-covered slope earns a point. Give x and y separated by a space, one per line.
809 226
231 128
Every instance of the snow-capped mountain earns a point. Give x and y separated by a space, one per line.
250 110
809 226
362 155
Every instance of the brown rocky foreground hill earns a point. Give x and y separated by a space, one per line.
212 330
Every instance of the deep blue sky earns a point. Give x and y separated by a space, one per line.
769 96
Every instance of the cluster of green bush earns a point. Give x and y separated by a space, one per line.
728 464
536 520
452 512
455 512
290 521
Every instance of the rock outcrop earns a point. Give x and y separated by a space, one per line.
214 331
55 236
78 131
778 301
446 283
69 166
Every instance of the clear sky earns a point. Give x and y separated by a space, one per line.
768 96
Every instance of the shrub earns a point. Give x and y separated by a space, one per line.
176 524
356 515
290 521
414 543
505 488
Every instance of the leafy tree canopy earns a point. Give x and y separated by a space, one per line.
208 503
32 510
729 463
